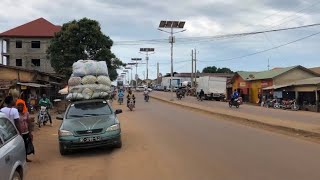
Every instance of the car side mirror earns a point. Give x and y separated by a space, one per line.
59 117
118 111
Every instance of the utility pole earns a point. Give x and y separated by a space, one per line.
158 72
172 25
195 66
268 64
192 68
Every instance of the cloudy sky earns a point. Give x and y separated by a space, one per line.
127 21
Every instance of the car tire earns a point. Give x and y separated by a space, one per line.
63 151
119 144
16 176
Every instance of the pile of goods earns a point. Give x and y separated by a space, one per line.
89 80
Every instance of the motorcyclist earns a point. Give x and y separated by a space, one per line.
120 95
44 101
131 96
145 93
201 94
235 95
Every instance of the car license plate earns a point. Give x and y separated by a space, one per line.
90 139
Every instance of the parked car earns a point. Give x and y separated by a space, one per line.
12 151
140 88
89 124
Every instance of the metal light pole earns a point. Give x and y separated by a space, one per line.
147 52
172 25
131 73
136 63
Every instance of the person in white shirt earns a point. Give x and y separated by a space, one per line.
10 111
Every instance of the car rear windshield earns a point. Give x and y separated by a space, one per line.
88 109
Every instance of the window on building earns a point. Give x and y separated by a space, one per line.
36 62
35 44
18 44
18 62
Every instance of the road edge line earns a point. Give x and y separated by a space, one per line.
303 132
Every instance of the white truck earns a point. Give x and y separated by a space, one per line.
214 87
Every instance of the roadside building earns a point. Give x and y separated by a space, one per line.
31 83
306 92
25 46
315 69
252 86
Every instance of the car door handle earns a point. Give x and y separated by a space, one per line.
7 159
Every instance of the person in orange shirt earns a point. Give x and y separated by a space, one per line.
20 100
25 109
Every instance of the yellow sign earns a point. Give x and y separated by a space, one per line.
23 87
242 84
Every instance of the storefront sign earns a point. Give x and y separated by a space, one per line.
23 87
243 84
264 84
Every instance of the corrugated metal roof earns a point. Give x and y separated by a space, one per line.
315 69
37 28
32 85
250 76
309 81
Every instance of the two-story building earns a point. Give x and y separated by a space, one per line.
26 46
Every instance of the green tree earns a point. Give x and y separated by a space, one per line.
81 39
214 69
210 69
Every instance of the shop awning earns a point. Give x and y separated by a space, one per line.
32 85
276 87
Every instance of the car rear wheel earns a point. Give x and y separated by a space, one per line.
63 151
16 176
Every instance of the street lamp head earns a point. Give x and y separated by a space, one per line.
146 49
172 24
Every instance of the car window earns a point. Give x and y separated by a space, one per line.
88 109
7 130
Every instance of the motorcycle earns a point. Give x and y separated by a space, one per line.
200 98
179 96
43 117
270 103
235 102
131 104
146 97
120 100
291 104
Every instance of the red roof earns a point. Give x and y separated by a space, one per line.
37 28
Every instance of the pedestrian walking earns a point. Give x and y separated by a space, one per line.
10 111
23 125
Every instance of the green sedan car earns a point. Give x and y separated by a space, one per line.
89 124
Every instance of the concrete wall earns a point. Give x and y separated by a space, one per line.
293 75
12 74
26 53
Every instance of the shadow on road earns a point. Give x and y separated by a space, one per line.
90 152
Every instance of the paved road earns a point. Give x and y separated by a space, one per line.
295 116
162 141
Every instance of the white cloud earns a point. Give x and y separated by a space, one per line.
138 19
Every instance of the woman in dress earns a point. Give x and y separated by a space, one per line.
23 125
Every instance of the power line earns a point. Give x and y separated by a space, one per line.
301 10
210 38
259 52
